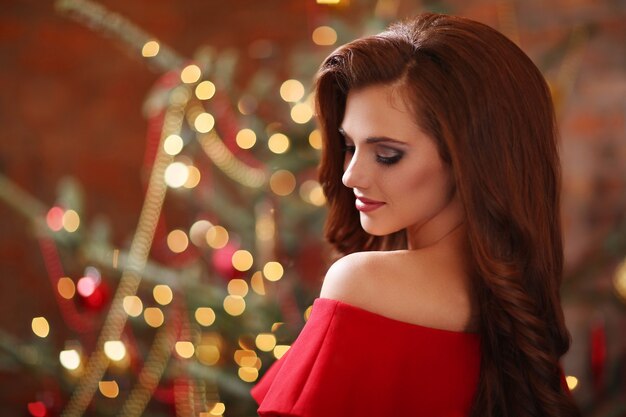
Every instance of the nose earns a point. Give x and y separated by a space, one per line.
355 174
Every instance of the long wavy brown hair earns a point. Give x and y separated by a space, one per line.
489 109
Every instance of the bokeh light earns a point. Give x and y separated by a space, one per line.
132 305
282 182
205 90
234 305
273 271
176 174
246 138
153 316
150 49
204 122
184 349
301 113
248 374
70 359
572 382
193 179
177 241
265 342
257 284
217 237
324 36
291 91
115 350
66 288
280 350
190 74
242 260
173 144
162 294
40 326
208 354
198 231
54 218
205 316
315 139
71 221
278 143
238 287
109 389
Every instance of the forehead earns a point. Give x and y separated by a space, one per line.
378 110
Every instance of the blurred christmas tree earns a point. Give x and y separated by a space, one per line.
185 317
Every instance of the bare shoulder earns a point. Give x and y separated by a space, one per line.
410 286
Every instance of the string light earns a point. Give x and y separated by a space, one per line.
278 143
324 36
205 90
150 49
40 327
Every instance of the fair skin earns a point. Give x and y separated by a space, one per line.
401 183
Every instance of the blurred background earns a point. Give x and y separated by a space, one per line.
160 222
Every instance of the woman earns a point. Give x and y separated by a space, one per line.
441 171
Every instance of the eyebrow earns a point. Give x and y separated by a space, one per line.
375 139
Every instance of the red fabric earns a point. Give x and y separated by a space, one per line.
351 362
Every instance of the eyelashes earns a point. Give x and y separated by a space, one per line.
384 156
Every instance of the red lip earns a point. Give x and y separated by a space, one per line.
365 204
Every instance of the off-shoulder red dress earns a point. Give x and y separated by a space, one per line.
348 361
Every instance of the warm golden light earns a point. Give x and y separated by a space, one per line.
70 359
71 221
245 357
257 284
572 382
184 349
162 294
242 260
150 49
66 288
205 316
190 74
301 113
176 174
54 219
619 280
109 389
265 228
115 350
291 90
173 144
194 177
132 305
198 231
248 374
208 354
282 182
238 287
266 342
177 241
204 122
307 313
315 139
154 316
278 143
324 36
40 326
311 191
280 350
218 409
217 237
273 271
246 138
205 90
234 305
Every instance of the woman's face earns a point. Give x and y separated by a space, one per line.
394 169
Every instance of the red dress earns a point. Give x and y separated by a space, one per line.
352 362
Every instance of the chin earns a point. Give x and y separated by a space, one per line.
377 229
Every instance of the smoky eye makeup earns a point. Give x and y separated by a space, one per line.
388 156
